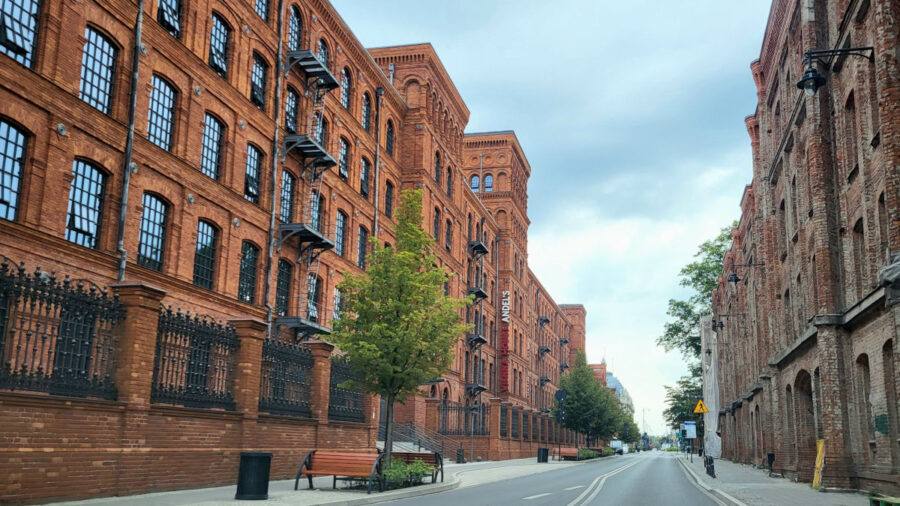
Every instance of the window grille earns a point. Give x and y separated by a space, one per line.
363 243
364 178
295 30
205 255
252 171
152 238
98 66
219 39
211 155
367 112
169 16
247 276
389 138
291 108
389 200
258 81
344 160
85 204
262 8
283 287
345 88
340 234
18 29
161 115
12 159
288 183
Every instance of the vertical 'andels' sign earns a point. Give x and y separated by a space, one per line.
504 341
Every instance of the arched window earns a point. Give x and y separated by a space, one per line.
361 247
488 183
437 224
364 178
262 8
321 129
288 189
295 29
315 213
152 237
322 52
344 159
476 183
252 171
211 149
12 157
219 40
340 233
388 199
437 167
345 88
258 77
85 204
283 287
98 65
161 115
313 297
205 254
449 181
247 274
448 234
389 138
169 16
366 112
19 21
291 110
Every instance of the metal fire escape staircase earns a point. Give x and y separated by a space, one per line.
475 385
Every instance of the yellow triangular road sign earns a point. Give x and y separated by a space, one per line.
701 408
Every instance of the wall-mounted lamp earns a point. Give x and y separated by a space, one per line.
812 80
733 278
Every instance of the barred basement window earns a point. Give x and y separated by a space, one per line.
291 107
211 155
219 39
18 29
205 255
85 204
12 159
258 81
283 287
247 276
251 174
389 138
364 178
338 304
152 238
161 115
295 29
345 88
262 8
322 52
288 182
169 16
389 199
98 66
344 160
361 248
366 112
340 234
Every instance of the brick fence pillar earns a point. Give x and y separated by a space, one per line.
431 413
251 333
494 438
137 342
320 383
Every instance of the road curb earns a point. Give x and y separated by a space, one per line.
400 494
721 495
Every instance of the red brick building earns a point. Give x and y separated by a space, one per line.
233 159
807 343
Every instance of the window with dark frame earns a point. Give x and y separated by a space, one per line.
211 150
344 160
295 29
283 287
338 304
388 199
340 234
389 138
362 246
437 224
161 115
219 40
437 167
313 294
288 183
262 8
85 204
322 52
18 29
364 178
251 173
205 255
152 237
315 213
169 16
247 275
367 112
258 81
448 234
345 88
98 68
12 161
449 181
291 109
321 130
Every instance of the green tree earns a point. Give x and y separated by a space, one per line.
682 398
397 328
630 432
589 407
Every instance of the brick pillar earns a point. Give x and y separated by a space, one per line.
137 342
251 333
320 380
494 445
431 413
837 466
371 404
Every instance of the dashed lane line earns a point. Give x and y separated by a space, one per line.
536 496
575 487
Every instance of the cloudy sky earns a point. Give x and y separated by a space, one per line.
632 117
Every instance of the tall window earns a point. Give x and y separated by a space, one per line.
98 66
12 159
437 224
247 275
18 29
364 178
437 167
211 153
252 172
258 81
321 130
205 255
169 16
291 109
448 234
288 183
152 238
344 160
488 183
262 8
283 287
389 138
295 29
338 304
367 112
219 39
476 183
322 52
315 212
313 295
345 88
361 248
340 233
449 181
85 204
161 115
388 199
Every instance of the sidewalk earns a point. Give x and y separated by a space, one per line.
282 492
742 485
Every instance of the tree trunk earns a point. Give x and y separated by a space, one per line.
388 432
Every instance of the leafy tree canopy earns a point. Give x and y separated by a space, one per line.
589 407
682 398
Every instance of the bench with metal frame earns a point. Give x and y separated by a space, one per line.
343 466
433 459
566 452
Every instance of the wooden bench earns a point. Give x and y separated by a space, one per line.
343 466
433 459
566 452
883 501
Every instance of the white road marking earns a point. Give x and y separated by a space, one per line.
573 488
535 496
601 479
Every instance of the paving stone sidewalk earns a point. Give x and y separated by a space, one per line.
741 484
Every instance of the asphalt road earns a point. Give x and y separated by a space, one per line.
647 478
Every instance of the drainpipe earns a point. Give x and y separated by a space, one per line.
279 78
378 94
129 143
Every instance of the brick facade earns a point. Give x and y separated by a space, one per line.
807 341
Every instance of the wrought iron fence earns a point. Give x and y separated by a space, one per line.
544 430
345 404
462 420
515 422
525 432
195 360
503 417
534 427
56 336
285 380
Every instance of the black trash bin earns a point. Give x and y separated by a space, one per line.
542 455
253 475
460 456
